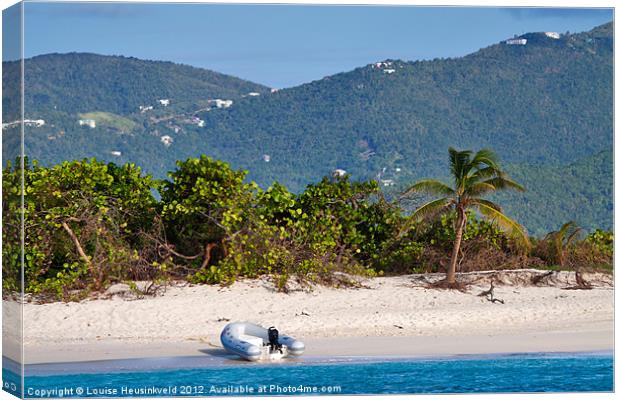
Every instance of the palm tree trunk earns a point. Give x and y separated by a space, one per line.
460 226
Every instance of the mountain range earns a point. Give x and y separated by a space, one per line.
543 103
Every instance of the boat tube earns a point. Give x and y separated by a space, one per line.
254 343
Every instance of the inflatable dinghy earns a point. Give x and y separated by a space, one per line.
254 343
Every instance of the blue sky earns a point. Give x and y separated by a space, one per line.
284 45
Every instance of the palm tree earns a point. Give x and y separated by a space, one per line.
560 241
474 176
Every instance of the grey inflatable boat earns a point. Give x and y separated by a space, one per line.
255 343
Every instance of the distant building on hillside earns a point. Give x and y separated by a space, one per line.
253 94
389 71
164 102
28 122
339 173
166 140
365 155
517 42
387 182
116 153
266 157
198 121
91 123
552 35
382 64
145 108
219 103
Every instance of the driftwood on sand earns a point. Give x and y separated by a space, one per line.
489 295
520 277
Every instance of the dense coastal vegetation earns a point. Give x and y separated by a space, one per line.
545 107
89 224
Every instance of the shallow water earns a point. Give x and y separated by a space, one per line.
540 372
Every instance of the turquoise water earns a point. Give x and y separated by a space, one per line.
553 372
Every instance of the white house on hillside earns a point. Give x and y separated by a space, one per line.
28 122
382 64
517 42
91 123
338 173
166 140
219 103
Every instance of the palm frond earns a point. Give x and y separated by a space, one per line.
551 235
503 222
487 203
566 227
482 174
504 183
485 157
459 163
478 189
430 186
432 209
573 235
561 238
568 232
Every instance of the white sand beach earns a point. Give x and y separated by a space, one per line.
387 316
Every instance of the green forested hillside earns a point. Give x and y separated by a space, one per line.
82 82
548 104
582 192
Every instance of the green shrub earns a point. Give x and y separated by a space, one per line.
203 205
82 220
603 241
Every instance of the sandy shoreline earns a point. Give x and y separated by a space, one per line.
586 339
389 316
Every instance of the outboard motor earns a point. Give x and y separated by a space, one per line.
274 343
